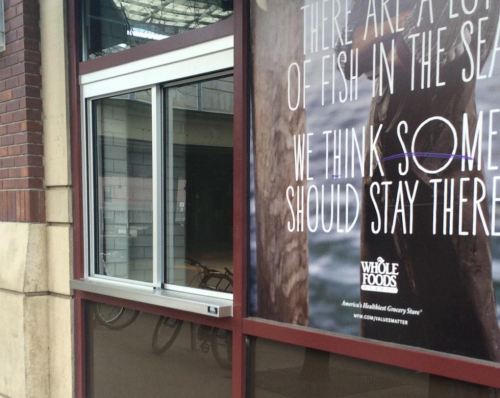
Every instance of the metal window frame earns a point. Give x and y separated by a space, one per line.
195 63
170 201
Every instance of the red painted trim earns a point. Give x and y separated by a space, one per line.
240 197
453 367
222 323
76 146
76 171
80 357
197 36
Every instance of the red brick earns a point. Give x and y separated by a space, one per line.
20 214
30 20
31 125
32 103
13 105
30 80
32 172
14 150
28 8
33 91
15 173
19 69
32 208
15 2
23 183
11 36
8 162
10 184
12 82
22 197
30 160
30 44
29 32
21 138
6 95
7 140
14 23
33 114
10 13
5 73
31 149
10 60
13 128
3 207
30 56
6 118
19 115
33 138
19 92
41 201
31 68
14 47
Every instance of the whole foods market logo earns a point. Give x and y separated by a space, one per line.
379 276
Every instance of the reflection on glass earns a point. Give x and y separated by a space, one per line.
123 164
115 25
200 185
280 370
132 354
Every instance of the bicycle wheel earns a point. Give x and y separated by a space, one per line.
217 282
114 318
166 331
222 347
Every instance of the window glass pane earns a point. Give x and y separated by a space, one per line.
115 25
123 164
200 184
132 354
281 370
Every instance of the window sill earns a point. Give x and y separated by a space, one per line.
189 302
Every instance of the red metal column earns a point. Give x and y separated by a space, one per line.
240 193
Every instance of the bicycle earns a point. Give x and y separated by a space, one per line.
110 316
167 329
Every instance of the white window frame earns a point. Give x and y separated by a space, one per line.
154 73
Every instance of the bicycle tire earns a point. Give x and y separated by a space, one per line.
222 352
159 347
219 278
113 323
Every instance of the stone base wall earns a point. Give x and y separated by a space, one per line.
36 304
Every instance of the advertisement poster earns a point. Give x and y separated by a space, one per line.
375 175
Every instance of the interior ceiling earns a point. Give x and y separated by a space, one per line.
186 14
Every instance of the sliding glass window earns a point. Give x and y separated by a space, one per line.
124 186
160 187
200 184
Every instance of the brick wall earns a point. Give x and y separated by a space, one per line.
22 197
